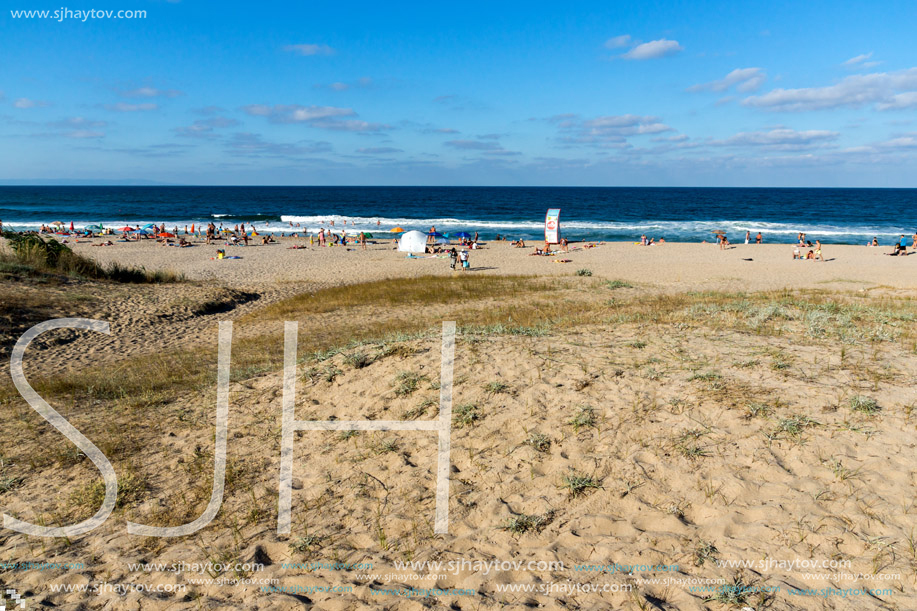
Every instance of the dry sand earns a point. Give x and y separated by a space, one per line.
680 266
721 429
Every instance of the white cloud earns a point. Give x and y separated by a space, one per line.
294 113
859 62
904 141
607 131
473 145
855 91
859 59
309 49
349 125
745 80
203 128
152 92
82 133
362 83
123 107
27 103
653 49
899 101
77 123
783 139
324 117
379 150
253 145
617 42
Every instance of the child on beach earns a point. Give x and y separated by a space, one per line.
464 259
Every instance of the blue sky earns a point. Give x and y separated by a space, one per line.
652 93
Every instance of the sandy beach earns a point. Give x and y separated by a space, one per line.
638 433
680 266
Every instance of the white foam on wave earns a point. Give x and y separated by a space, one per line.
624 230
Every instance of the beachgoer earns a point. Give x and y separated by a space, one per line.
463 257
453 258
643 240
362 240
747 237
796 254
759 239
818 255
564 245
810 255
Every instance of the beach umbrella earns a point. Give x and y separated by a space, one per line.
126 229
719 232
435 234
148 225
166 234
58 223
396 230
95 227
367 235
460 234
71 225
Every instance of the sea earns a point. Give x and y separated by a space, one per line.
840 216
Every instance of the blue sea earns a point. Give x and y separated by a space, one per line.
842 216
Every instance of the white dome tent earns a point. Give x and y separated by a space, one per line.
412 241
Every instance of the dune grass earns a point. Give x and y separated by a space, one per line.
406 292
30 255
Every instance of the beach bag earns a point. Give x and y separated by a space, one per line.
465 264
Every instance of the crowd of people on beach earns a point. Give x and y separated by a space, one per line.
240 235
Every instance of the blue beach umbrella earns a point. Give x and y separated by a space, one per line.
460 234
435 234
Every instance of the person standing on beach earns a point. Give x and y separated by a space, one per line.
463 257
748 237
818 255
362 241
759 239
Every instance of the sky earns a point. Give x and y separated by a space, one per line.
663 93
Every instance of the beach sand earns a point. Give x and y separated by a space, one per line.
678 266
680 406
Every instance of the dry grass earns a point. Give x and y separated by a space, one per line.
405 292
